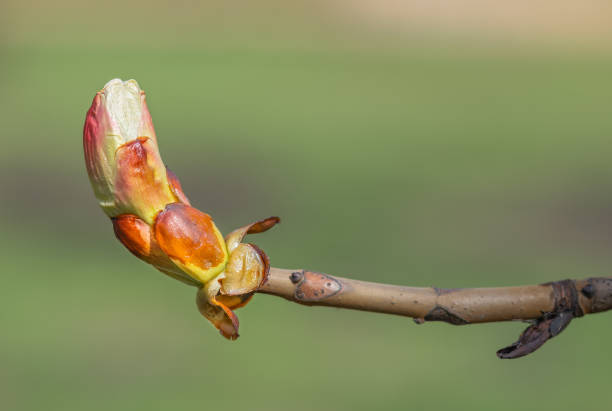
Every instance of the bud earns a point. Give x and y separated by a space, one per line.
153 218
121 155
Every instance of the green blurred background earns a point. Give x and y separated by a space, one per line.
457 144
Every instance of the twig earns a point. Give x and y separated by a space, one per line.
549 307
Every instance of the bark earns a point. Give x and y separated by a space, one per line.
548 307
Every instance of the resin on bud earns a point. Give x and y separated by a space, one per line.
154 219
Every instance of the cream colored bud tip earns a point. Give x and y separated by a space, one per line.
117 82
123 99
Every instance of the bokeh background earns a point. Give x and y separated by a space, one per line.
452 144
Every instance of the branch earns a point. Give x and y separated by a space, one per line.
153 218
548 307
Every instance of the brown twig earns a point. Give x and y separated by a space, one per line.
549 307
